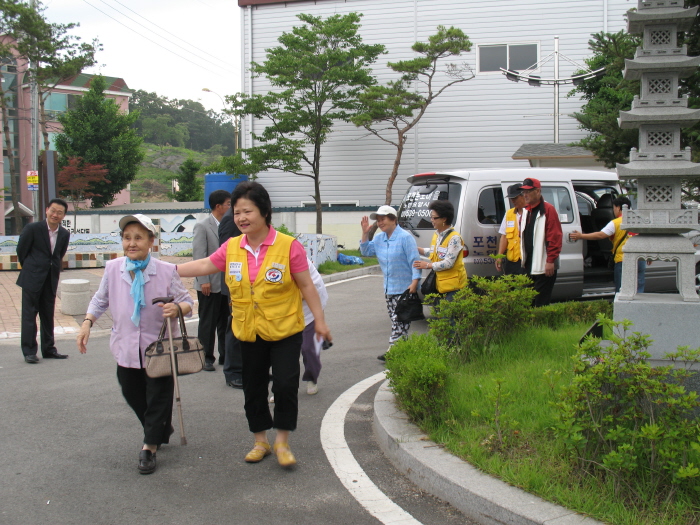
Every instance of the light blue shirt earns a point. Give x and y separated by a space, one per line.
396 255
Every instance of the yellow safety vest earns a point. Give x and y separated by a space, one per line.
513 236
456 277
270 306
619 239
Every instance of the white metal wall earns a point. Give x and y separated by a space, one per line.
476 124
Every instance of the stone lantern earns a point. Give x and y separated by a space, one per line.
659 166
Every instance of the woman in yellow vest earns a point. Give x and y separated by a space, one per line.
446 251
267 274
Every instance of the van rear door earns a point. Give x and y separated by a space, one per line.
569 283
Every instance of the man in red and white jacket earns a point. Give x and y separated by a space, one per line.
540 241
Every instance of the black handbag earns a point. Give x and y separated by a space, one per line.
429 284
409 308
189 354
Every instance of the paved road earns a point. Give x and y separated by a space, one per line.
69 443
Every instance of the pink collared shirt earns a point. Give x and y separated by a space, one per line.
297 255
53 236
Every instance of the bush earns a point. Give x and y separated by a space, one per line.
625 421
417 370
559 314
483 313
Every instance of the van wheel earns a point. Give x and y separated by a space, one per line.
697 278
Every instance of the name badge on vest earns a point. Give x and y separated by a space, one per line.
235 269
510 224
442 251
273 275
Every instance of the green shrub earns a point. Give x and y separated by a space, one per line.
417 369
283 229
572 312
629 423
482 313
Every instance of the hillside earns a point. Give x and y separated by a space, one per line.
154 178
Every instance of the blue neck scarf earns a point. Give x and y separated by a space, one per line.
137 286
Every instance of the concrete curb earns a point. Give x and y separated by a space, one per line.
481 497
351 274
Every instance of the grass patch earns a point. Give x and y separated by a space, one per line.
330 267
498 415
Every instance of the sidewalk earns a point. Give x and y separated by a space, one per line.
11 301
11 298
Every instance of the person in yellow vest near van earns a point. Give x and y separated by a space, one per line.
446 251
509 243
267 274
618 237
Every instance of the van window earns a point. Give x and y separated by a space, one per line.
491 208
414 213
559 197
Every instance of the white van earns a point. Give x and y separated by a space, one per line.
583 199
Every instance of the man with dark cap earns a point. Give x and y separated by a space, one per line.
540 241
509 243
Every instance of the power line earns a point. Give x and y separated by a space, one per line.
173 34
217 73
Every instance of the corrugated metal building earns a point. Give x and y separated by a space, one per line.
480 123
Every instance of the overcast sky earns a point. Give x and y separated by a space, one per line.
172 47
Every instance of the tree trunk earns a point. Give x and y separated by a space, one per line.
42 121
319 207
14 176
395 170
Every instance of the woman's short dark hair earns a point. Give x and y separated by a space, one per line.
444 209
620 201
255 192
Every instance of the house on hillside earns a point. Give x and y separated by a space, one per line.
57 101
480 123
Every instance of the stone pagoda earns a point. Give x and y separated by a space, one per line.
658 167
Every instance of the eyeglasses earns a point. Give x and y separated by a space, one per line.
434 218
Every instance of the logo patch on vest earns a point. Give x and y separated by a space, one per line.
273 275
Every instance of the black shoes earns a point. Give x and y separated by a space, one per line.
147 462
209 367
55 355
235 383
382 357
32 359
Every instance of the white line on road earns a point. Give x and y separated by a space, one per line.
353 279
348 469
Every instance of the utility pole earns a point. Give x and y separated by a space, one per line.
34 118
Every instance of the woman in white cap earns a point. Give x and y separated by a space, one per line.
129 284
396 251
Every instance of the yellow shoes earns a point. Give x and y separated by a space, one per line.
256 455
284 455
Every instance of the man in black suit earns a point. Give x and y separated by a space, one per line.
233 364
40 251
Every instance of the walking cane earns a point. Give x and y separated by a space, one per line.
173 368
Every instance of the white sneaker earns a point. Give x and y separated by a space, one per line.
311 388
272 398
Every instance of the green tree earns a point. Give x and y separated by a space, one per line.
606 96
54 55
97 131
160 131
318 70
190 185
396 107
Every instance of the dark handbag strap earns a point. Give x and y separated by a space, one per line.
617 247
183 330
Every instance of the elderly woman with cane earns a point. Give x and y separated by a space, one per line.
267 274
129 285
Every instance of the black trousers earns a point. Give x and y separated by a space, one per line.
213 313
151 399
543 285
233 364
43 303
512 268
283 357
